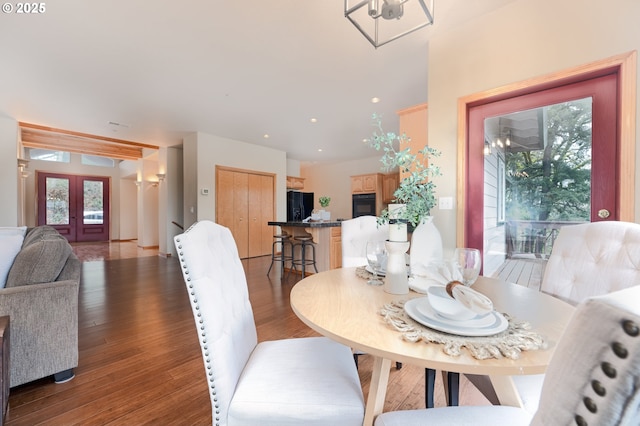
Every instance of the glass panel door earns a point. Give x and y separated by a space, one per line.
536 162
93 201
93 196
77 206
538 167
57 196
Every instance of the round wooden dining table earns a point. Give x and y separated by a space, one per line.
342 306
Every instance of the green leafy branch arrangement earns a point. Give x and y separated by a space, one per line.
416 191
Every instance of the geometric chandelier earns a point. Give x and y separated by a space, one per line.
382 21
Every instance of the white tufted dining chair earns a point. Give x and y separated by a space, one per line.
593 378
310 381
355 233
592 259
588 259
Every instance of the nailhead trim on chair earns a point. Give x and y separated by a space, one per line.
598 388
212 385
609 370
580 421
631 329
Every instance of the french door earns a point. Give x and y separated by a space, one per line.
528 173
77 206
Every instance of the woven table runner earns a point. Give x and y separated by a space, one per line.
507 344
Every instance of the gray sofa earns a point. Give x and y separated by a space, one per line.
41 298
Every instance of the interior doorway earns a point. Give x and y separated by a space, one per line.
77 206
513 156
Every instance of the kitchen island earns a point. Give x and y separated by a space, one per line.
325 235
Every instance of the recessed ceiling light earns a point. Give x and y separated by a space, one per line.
375 100
319 149
314 120
266 136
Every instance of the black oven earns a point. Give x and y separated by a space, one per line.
364 205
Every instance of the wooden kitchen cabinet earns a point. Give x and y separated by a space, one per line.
390 183
335 248
369 184
365 184
295 182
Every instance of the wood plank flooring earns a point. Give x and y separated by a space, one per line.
527 272
140 362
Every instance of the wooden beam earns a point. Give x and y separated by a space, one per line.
36 136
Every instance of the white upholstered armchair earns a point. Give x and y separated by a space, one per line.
593 377
310 381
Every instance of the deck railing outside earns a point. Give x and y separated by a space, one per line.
532 237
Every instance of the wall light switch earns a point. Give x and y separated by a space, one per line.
445 203
204 191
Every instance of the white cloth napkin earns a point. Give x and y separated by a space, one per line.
440 273
472 299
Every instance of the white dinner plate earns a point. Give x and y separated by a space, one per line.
479 321
420 310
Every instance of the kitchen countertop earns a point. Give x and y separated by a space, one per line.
310 224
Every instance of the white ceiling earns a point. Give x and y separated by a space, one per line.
237 69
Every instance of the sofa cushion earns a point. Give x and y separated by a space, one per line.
9 247
43 255
38 233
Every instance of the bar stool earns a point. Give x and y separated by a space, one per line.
303 242
281 241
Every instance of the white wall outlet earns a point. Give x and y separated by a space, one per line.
445 203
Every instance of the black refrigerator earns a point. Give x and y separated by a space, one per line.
299 205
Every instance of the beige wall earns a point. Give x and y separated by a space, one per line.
128 219
8 171
333 180
207 151
293 167
525 39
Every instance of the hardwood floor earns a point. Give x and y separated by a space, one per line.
525 271
140 362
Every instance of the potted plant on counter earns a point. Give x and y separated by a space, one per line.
324 203
415 196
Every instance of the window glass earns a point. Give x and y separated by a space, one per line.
94 160
57 191
93 198
48 155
